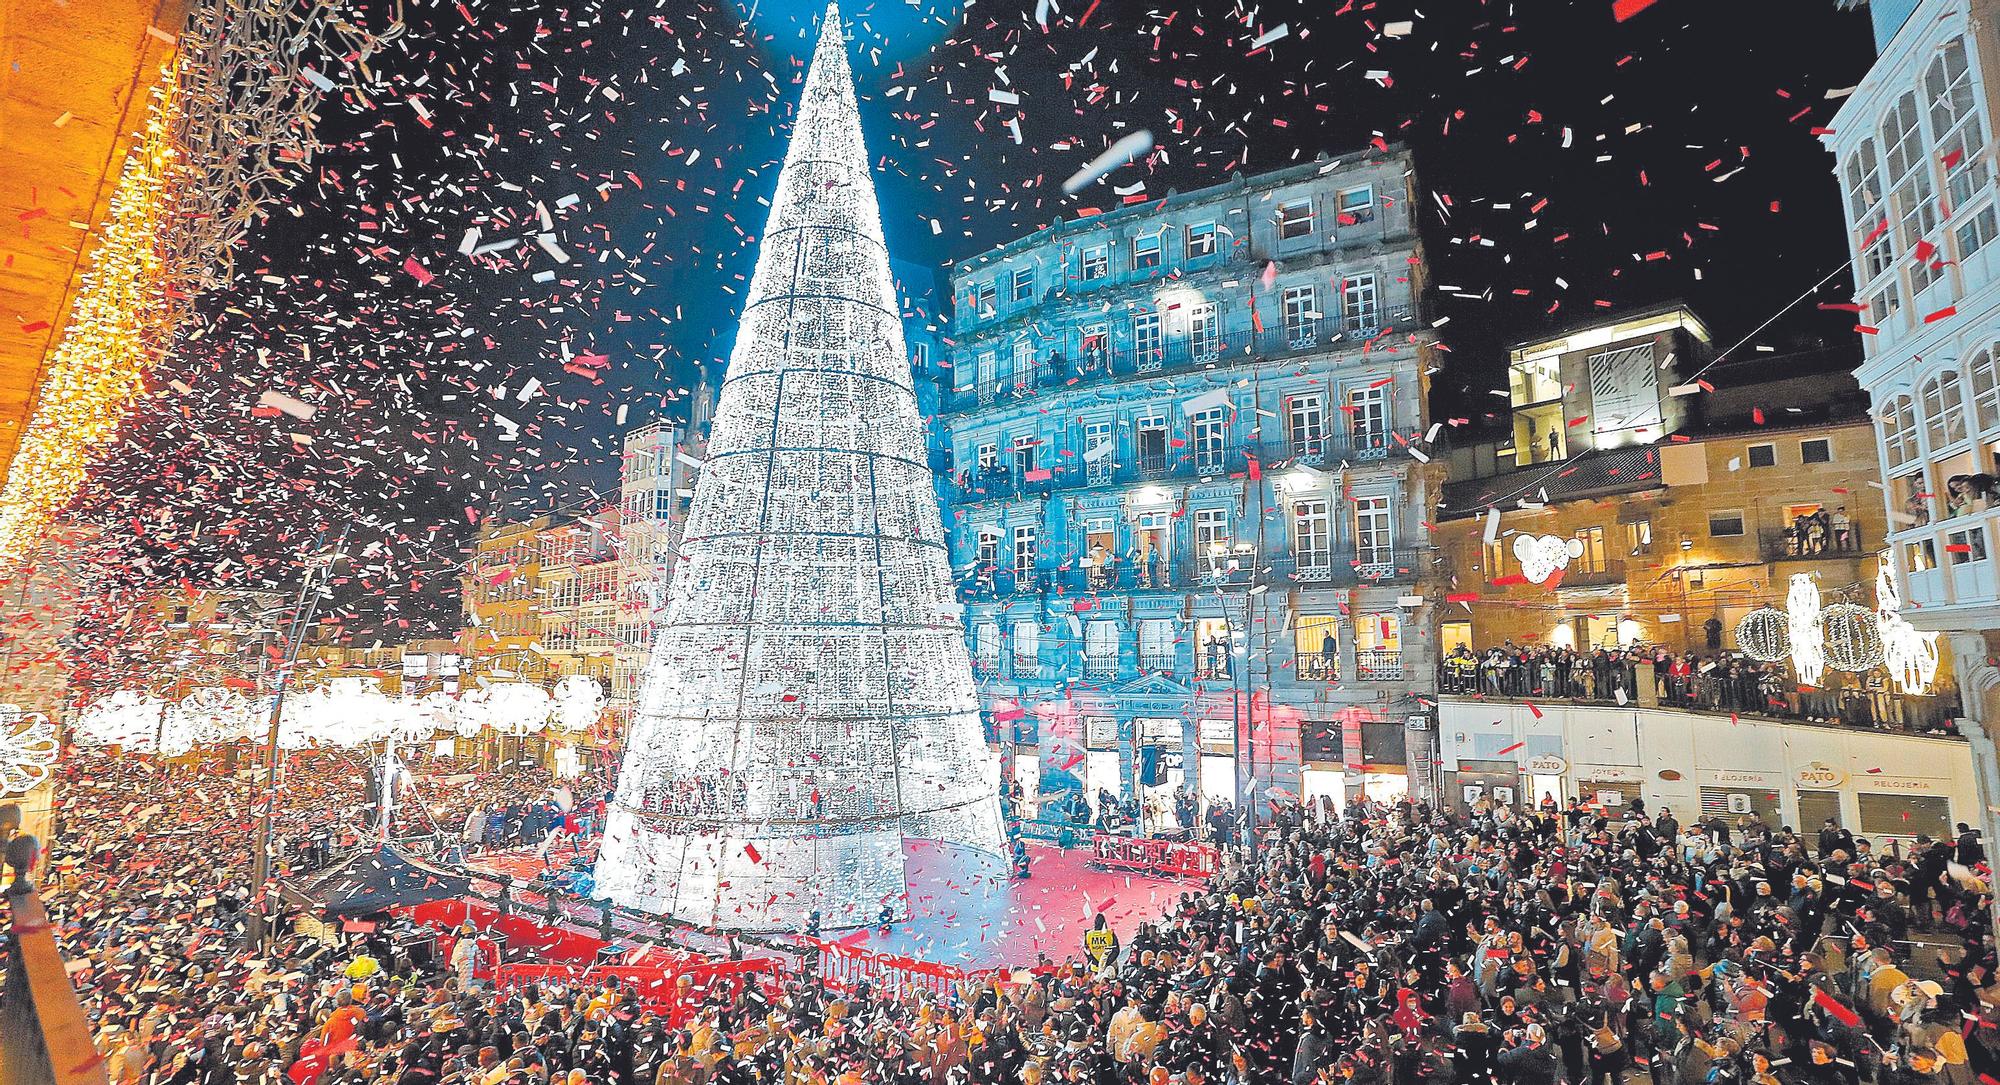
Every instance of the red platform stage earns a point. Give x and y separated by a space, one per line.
966 913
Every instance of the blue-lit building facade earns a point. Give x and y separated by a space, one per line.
1188 480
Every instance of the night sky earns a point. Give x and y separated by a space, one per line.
1565 163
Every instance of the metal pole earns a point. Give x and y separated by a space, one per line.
302 617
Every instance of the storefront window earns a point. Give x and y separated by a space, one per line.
1905 815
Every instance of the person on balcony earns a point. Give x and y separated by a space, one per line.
1843 530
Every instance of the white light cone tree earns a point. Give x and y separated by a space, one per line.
809 702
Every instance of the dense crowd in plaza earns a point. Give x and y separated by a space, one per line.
1389 945
1715 681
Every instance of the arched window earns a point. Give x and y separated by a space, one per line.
1873 248
1961 140
1912 198
1899 431
1985 391
1944 413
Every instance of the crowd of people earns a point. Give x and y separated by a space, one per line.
1714 681
1380 945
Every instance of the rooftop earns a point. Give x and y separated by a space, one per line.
1174 199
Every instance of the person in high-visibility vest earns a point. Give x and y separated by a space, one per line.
1100 943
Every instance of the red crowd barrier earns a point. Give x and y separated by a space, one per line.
843 967
672 991
1145 855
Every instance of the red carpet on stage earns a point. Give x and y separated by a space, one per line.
965 911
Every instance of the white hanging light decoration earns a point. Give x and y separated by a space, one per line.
28 749
1765 635
343 712
1909 654
130 719
579 701
513 709
1853 637
213 715
1802 613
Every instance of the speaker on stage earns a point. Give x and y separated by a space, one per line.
1150 771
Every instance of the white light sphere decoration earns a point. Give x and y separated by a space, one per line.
1853 637
28 750
1765 635
1802 613
578 702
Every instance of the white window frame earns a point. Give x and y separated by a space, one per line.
1021 275
1312 534
1148 339
1202 241
1943 403
1094 263
1984 377
1299 306
1354 212
1305 423
1145 245
1374 530
1295 219
1750 458
1360 303
1368 421
1024 550
1208 433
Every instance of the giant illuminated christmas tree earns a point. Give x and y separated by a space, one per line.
809 703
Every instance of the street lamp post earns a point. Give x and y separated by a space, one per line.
303 610
1236 613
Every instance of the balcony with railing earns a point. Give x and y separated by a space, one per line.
1351 448
1316 668
1100 666
1343 566
1602 574
1379 664
1786 544
1158 661
1119 361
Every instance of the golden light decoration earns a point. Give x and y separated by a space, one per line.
228 127
122 316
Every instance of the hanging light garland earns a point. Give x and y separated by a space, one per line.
228 125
